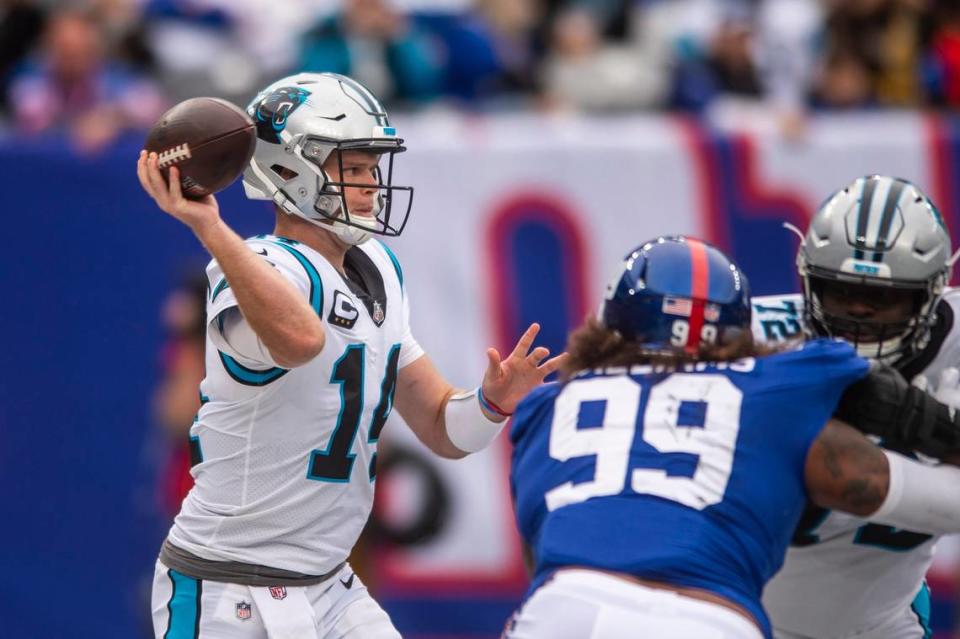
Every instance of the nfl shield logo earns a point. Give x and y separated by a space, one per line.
278 592
244 611
711 312
377 313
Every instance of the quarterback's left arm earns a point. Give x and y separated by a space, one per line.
454 423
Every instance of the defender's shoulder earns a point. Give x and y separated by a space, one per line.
824 361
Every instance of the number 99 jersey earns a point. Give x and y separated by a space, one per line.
286 459
694 478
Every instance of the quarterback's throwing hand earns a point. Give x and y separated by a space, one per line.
169 197
508 381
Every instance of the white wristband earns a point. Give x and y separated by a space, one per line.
467 427
921 498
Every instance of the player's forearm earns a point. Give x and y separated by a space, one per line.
280 316
450 422
425 417
845 471
920 497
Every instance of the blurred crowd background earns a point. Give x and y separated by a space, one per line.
96 67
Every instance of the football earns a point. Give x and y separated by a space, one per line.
209 140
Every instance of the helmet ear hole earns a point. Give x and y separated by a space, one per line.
284 173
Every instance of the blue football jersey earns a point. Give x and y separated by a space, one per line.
693 478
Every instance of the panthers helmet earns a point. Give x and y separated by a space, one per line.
677 293
879 239
300 120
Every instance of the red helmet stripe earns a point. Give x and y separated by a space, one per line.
699 285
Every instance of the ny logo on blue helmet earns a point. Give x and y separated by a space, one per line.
677 293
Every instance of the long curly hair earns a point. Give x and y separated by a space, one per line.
595 346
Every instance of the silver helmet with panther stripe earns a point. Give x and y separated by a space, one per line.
301 120
876 245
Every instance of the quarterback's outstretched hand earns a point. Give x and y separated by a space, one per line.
169 197
508 381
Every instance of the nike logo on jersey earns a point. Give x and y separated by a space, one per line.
262 252
348 583
344 312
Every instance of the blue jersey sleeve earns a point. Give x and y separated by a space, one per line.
530 434
801 388
820 362
530 409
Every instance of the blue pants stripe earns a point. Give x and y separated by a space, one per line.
184 607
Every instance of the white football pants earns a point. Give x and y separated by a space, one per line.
586 604
338 608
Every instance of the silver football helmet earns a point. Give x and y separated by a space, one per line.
877 245
300 120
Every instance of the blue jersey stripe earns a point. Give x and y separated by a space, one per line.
921 608
219 288
316 284
183 607
249 376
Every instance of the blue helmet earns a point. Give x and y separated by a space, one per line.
678 293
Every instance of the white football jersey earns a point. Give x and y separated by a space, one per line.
844 576
287 458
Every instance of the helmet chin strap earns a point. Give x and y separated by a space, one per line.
351 234
348 233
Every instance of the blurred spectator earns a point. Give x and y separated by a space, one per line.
730 59
21 23
581 70
227 48
198 52
512 24
872 42
122 25
176 399
611 17
898 83
488 49
944 61
718 61
73 86
788 35
845 81
371 42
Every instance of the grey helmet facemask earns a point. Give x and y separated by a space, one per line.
880 233
301 120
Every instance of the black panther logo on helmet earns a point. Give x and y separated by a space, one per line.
270 112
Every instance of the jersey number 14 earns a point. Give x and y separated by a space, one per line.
335 464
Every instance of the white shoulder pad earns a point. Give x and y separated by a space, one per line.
777 318
948 355
951 296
